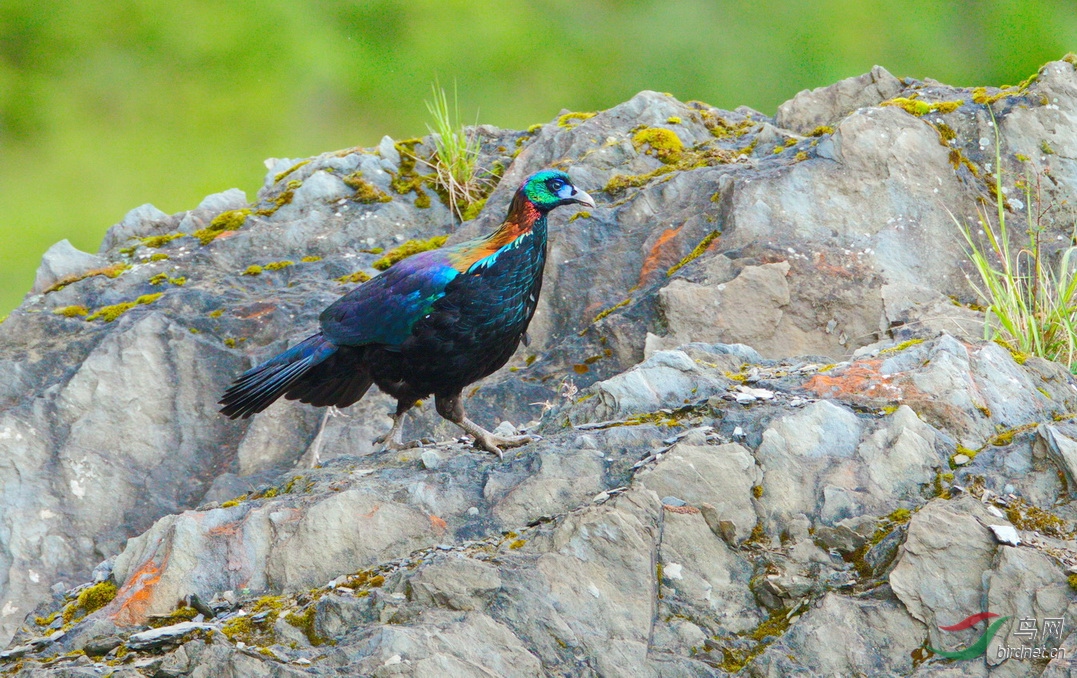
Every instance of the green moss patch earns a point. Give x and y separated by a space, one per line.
919 108
570 120
1027 517
901 347
407 179
611 309
71 311
408 249
89 600
365 192
686 159
304 621
472 210
291 169
110 313
720 128
662 143
161 240
231 220
182 614
695 253
354 278
257 633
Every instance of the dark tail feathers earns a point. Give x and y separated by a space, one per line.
314 371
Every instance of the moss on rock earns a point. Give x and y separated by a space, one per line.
408 249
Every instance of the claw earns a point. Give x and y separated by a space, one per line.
396 445
492 443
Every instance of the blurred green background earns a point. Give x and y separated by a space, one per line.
108 105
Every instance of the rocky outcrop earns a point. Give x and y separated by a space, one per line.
770 440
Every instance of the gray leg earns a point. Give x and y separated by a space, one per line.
394 438
452 408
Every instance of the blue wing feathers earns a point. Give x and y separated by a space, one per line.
384 309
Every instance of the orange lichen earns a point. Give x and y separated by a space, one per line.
662 255
859 379
132 602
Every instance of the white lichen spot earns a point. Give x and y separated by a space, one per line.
593 590
46 514
672 571
33 576
9 609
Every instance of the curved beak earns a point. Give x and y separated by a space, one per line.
583 198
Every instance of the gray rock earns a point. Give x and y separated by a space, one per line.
940 571
63 260
1063 451
722 476
277 437
163 636
839 538
881 555
701 571
445 644
431 460
456 583
666 379
845 636
799 452
826 105
556 479
258 546
746 310
102 645
142 221
901 457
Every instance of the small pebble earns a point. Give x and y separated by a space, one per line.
1006 534
506 430
431 460
961 459
673 501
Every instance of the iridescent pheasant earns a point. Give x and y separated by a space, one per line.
431 324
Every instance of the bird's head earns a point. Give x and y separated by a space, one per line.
551 188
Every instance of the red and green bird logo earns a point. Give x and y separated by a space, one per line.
980 646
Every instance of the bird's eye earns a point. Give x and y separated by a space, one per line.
556 185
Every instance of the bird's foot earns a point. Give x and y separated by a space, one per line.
491 443
389 443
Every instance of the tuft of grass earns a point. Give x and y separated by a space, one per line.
1031 304
456 153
